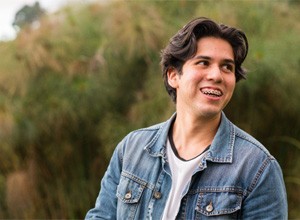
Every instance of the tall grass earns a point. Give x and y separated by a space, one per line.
70 90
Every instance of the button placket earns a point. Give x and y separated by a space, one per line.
157 195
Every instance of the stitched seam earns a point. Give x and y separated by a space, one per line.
236 190
259 173
138 180
254 143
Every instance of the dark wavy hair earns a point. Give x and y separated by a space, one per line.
183 46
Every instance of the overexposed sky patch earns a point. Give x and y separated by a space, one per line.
8 9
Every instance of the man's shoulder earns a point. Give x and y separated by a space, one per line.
146 135
246 140
152 129
149 139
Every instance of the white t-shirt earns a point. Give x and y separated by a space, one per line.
182 172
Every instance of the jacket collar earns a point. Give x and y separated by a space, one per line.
220 151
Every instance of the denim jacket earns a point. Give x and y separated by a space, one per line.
238 178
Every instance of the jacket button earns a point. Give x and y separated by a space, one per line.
128 195
210 207
157 195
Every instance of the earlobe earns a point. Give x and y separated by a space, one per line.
172 77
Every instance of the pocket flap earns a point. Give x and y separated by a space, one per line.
219 202
129 191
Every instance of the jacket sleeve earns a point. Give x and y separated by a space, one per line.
106 203
267 197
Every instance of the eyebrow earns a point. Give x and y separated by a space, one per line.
209 58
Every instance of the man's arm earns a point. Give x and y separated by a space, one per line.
267 198
106 203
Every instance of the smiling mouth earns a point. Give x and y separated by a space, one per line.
212 92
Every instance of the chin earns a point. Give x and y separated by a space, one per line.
210 113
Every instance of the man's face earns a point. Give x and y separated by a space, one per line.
208 79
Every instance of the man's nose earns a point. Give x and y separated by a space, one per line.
215 74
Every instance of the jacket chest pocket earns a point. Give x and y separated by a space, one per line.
218 204
129 193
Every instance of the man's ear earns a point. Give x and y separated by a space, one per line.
173 77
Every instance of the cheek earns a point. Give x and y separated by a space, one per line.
194 76
230 86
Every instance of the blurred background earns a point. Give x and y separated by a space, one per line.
75 80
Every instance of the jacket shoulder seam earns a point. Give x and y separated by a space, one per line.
255 143
261 170
151 128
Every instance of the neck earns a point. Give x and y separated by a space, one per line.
192 135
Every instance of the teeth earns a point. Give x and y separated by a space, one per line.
211 92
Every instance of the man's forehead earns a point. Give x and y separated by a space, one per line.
211 47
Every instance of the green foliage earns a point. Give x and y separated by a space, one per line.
71 89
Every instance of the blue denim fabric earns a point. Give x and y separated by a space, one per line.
237 179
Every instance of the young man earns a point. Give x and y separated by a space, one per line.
196 165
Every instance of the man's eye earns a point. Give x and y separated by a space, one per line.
203 63
228 68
